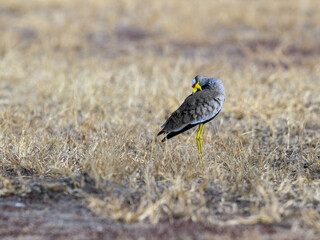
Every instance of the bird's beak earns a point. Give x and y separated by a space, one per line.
196 87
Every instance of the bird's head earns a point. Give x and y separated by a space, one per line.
201 82
196 83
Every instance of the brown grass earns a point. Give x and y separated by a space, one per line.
84 87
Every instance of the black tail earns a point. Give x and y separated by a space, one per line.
161 132
172 134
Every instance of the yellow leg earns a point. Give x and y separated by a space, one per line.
199 140
202 128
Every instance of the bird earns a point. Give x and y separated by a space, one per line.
204 104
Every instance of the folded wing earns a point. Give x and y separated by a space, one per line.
197 108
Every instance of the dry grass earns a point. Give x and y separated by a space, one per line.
85 88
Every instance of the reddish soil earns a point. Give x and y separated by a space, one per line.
57 213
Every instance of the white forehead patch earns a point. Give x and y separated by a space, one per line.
194 81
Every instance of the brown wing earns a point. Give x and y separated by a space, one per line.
197 108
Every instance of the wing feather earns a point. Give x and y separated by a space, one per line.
197 108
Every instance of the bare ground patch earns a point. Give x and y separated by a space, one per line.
57 209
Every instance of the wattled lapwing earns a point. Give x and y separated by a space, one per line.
201 106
